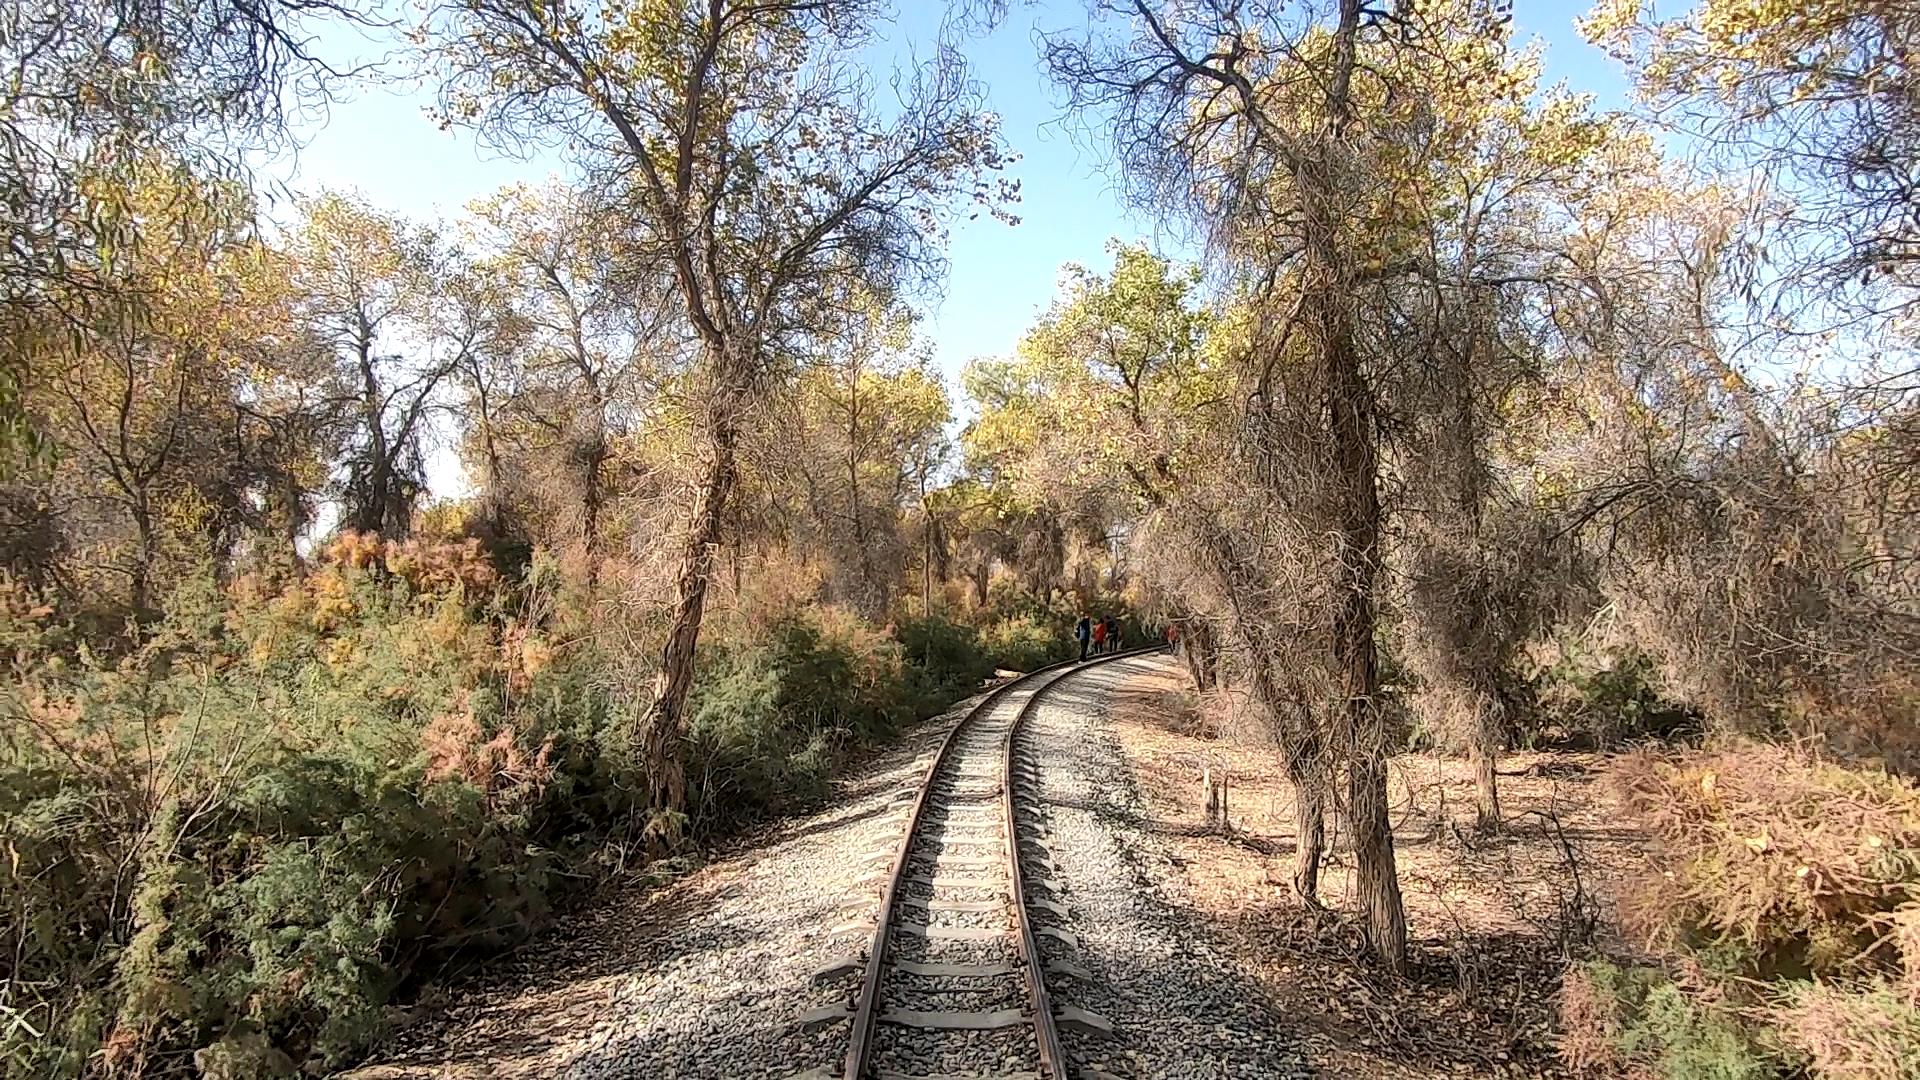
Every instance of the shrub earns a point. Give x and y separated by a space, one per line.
1783 893
1616 1017
768 718
1867 1032
946 657
1024 643
1800 865
1601 697
240 837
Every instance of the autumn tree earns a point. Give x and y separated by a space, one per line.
583 335
862 437
757 163
1248 118
1817 96
1469 212
175 408
373 291
1125 386
97 93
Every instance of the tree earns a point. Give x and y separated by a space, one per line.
586 333
1821 97
1471 196
756 163
866 430
171 407
1249 119
98 93
373 290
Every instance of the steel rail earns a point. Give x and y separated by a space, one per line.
1046 1033
867 1010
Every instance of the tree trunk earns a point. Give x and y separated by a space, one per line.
1202 652
1361 727
1485 753
1299 739
662 727
146 550
1310 832
592 503
1383 912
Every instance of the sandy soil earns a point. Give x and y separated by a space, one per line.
1491 919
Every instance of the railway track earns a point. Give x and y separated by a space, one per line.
954 975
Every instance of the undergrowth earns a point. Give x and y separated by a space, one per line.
224 850
1781 908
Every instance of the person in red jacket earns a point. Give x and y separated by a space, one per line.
1100 634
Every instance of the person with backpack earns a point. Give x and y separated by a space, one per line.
1083 633
1100 634
1113 634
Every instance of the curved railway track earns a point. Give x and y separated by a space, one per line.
954 979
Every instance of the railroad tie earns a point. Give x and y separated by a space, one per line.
958 881
952 971
979 907
952 933
954 1019
883 1075
1081 1020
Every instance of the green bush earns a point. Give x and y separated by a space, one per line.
1602 697
769 718
1617 1016
946 658
1780 889
1023 643
239 838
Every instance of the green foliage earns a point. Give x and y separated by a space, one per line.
1602 697
947 657
1636 1014
234 844
1852 1032
1024 642
771 716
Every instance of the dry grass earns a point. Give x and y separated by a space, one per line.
1491 920
1773 849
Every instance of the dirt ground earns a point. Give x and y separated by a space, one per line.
1491 920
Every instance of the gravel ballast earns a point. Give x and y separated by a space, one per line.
708 976
711 975
1179 1007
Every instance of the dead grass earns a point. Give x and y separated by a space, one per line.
1492 920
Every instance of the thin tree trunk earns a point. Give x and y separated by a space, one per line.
1203 653
1299 739
1310 830
146 549
1485 754
662 727
592 501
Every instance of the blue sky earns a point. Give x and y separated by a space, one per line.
381 144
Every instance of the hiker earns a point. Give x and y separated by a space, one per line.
1173 639
1083 633
1113 634
1100 634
